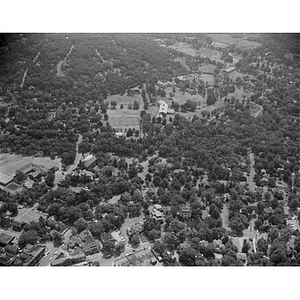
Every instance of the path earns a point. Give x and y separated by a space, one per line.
60 174
224 217
59 72
37 56
251 173
24 77
259 112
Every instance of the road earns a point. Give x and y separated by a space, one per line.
60 174
259 112
252 173
224 217
50 247
110 261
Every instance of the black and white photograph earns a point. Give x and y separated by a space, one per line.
149 147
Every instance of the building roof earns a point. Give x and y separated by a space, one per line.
90 161
5 238
88 157
163 107
230 69
26 168
5 179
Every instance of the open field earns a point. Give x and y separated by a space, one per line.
181 98
14 187
208 78
27 215
184 48
9 163
224 38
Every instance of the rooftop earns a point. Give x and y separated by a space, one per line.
5 238
5 179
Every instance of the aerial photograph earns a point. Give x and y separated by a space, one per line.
149 149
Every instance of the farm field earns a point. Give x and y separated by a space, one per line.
222 38
9 163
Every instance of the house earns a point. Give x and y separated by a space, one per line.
5 179
163 108
293 223
89 161
157 215
170 111
87 174
163 84
286 210
90 246
35 254
135 229
5 239
219 45
66 259
229 70
185 211
26 168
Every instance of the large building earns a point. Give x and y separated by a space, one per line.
5 179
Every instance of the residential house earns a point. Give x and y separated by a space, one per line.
5 239
185 211
34 253
89 161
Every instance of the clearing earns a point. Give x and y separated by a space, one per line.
9 163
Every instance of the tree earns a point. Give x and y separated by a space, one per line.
257 224
130 106
135 105
135 240
108 248
238 223
188 256
121 106
20 176
114 104
120 247
28 237
57 237
80 224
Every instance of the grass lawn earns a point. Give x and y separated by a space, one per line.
9 163
184 48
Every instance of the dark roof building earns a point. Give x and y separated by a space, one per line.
5 239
